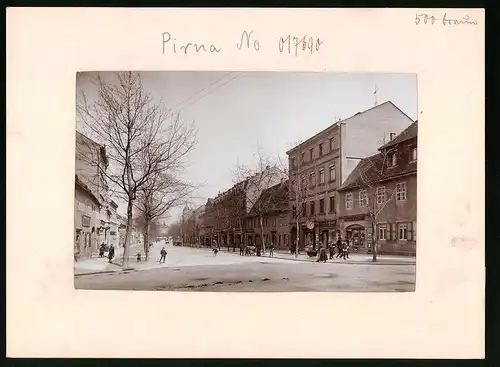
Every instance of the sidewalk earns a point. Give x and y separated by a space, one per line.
354 258
96 265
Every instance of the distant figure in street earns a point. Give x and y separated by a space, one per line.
215 248
101 250
322 254
331 250
339 248
271 249
242 250
111 253
138 257
163 255
346 249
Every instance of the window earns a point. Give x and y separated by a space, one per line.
332 204
273 222
332 173
322 206
294 210
363 198
401 191
332 143
311 154
413 154
414 231
293 162
348 201
304 183
321 176
303 157
382 232
311 179
303 211
320 149
313 208
402 232
392 160
380 195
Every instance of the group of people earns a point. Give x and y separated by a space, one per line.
342 250
111 252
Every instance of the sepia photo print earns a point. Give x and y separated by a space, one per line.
246 181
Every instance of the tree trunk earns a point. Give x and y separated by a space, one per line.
128 234
146 238
262 234
297 239
374 244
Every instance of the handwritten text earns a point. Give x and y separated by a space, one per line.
445 20
184 48
293 45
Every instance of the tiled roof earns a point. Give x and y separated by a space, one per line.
85 188
374 168
273 199
409 133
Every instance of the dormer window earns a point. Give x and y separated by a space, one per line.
413 154
391 160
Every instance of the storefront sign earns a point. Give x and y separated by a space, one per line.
355 218
85 221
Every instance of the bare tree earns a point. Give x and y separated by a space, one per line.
373 195
265 174
174 230
132 126
299 188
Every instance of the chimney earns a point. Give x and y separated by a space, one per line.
392 135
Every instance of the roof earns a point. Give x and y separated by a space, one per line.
337 123
273 199
410 132
100 147
374 168
85 188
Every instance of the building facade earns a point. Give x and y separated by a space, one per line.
87 207
274 213
378 201
322 163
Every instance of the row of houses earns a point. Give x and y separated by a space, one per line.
356 179
96 219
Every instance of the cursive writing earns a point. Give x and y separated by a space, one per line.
445 20
184 48
293 44
247 37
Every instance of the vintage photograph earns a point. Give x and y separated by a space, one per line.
246 181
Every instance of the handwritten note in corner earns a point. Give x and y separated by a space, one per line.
443 19
289 44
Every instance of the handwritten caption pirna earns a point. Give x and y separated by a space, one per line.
289 44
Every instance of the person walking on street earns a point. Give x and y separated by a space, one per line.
322 254
271 249
339 248
346 248
111 253
331 250
163 255
101 250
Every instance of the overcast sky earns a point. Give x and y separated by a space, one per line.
235 112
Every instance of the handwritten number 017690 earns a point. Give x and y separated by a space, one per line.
293 44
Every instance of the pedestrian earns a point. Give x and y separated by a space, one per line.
101 250
111 253
322 254
138 257
271 249
163 255
339 248
346 248
331 250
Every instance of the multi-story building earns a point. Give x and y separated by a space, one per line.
275 218
87 207
224 218
378 201
319 166
90 164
